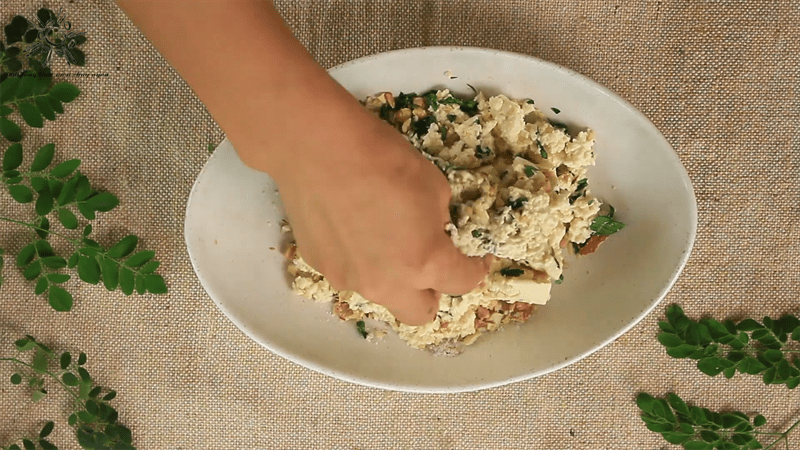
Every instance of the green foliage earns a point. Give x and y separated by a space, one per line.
64 193
35 100
36 41
91 415
768 348
697 428
605 225
361 327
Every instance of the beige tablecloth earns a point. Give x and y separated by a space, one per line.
720 79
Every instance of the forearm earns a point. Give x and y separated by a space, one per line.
244 63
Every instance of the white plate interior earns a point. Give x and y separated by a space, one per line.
233 220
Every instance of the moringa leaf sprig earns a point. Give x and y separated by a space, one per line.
769 348
60 192
93 418
698 428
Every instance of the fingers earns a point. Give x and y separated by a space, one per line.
452 272
416 307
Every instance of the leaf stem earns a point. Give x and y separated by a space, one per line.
51 375
104 253
28 98
30 225
784 436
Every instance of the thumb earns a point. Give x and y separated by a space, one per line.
453 272
416 307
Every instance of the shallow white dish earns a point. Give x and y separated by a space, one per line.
233 219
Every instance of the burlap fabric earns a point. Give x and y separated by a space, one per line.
720 79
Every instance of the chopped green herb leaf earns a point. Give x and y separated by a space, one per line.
559 280
542 151
556 110
560 126
580 190
517 203
430 99
529 101
611 211
444 132
385 112
422 125
482 152
362 328
477 233
510 272
451 117
530 170
473 89
404 100
591 201
605 225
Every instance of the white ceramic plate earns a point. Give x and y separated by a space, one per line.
233 220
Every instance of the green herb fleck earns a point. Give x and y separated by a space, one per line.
473 89
477 233
542 151
611 211
511 272
422 125
530 170
579 190
482 152
210 148
444 132
517 203
605 225
559 280
385 112
362 328
556 110
591 201
404 100
560 126
451 117
430 99
529 101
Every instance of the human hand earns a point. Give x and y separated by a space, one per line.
370 217
367 209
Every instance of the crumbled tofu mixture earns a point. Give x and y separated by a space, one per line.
519 192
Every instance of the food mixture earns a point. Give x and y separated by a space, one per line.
519 192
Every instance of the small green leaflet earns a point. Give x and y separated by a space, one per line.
556 110
362 328
511 272
482 152
530 170
604 225
542 151
518 203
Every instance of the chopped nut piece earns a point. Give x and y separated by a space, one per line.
389 98
592 244
343 310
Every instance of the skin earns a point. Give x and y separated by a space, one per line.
367 210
